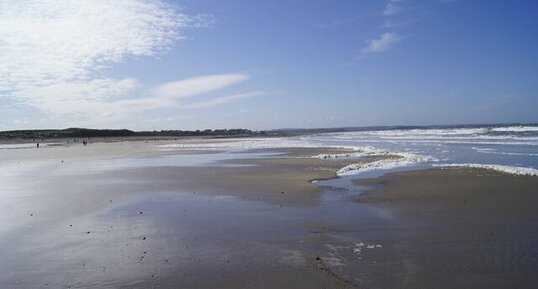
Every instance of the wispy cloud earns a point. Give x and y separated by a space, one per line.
383 43
197 85
56 54
51 41
83 101
172 94
386 39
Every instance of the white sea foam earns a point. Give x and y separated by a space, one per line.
403 160
495 152
445 132
471 141
359 152
428 132
456 136
390 160
513 170
360 247
482 149
516 129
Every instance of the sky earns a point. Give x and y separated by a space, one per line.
197 64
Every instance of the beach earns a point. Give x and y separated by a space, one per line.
170 144
205 214
461 228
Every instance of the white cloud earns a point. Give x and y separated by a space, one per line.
87 100
384 42
55 54
100 102
77 96
45 42
169 95
197 85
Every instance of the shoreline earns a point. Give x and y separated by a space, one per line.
357 160
223 212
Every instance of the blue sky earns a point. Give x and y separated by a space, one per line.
266 64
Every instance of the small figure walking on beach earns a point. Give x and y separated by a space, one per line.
37 145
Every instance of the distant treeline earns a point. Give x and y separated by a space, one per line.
89 133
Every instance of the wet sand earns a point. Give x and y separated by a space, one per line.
460 228
280 179
131 215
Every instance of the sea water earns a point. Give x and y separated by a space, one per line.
511 149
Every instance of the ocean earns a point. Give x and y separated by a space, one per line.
511 149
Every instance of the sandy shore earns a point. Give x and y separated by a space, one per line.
77 216
134 215
460 228
283 179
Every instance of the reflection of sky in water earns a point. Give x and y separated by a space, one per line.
176 234
22 181
172 160
99 165
17 146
